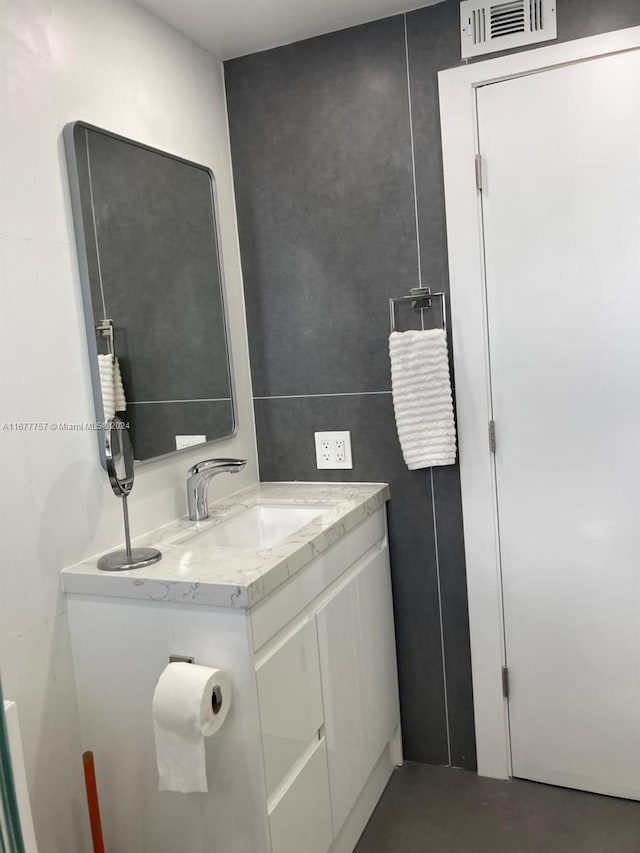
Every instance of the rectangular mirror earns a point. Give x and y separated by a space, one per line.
153 290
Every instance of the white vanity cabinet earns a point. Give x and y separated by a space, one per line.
313 732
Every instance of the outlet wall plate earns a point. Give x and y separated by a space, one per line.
333 450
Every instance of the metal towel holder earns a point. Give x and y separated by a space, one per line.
104 328
421 300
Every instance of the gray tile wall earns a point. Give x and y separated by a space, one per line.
321 140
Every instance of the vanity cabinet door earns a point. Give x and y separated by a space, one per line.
378 661
344 716
359 680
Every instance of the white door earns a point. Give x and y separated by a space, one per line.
561 209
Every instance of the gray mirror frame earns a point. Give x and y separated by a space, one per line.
85 285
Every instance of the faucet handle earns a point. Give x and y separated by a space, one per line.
212 464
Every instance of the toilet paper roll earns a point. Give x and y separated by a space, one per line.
190 703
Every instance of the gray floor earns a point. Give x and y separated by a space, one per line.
437 810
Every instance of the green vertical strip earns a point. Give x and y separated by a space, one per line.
10 830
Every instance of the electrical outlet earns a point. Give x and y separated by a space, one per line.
333 450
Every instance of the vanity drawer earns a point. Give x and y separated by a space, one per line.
290 698
300 819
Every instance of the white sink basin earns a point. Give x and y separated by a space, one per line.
261 526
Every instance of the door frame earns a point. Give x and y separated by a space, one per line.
459 132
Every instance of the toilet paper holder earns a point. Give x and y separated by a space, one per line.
216 696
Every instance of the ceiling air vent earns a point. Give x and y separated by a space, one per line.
490 26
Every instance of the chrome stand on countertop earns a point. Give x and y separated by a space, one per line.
120 467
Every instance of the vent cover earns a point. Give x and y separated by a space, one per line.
489 26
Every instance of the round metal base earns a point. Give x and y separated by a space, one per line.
119 561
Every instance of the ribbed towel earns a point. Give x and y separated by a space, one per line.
113 399
422 398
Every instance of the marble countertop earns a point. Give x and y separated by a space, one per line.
193 571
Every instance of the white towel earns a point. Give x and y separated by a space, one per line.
422 398
113 399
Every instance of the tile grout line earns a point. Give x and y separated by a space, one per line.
337 394
192 400
433 496
413 152
444 662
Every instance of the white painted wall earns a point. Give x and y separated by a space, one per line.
111 63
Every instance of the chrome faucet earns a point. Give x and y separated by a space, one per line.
198 483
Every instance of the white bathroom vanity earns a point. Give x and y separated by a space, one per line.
287 587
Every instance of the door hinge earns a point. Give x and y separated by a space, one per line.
479 172
492 436
505 682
